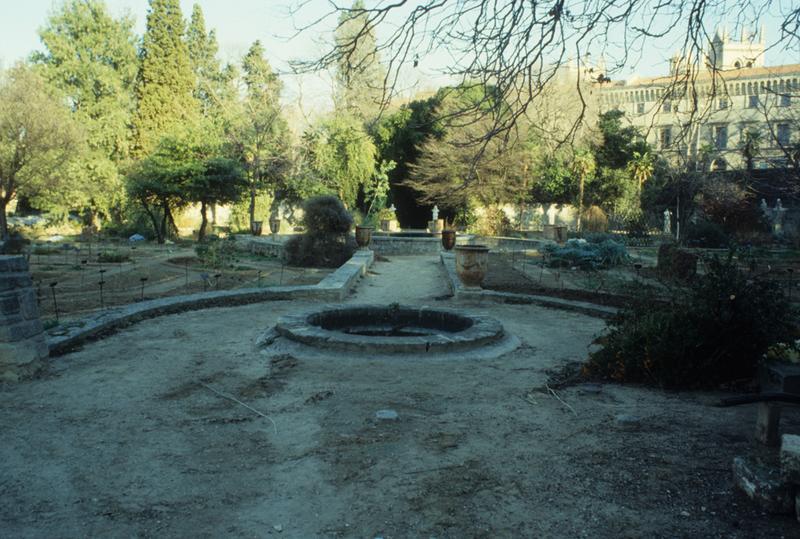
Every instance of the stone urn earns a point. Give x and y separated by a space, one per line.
256 229
274 225
472 262
363 236
448 239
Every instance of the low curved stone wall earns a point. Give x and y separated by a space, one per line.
334 287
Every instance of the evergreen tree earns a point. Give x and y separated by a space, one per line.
165 86
360 75
213 84
260 133
91 58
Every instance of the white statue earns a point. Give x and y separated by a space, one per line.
435 213
778 205
392 209
667 221
551 214
764 206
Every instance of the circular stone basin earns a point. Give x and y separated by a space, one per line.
390 329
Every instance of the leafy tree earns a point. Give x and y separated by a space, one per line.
220 181
342 155
38 140
399 138
260 134
170 177
165 84
91 57
359 74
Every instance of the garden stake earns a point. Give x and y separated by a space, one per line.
217 278
141 295
259 278
280 281
204 277
101 283
55 303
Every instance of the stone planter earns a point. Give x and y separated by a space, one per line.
256 229
448 239
386 225
275 225
363 236
472 262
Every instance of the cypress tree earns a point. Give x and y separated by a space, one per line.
166 84
210 80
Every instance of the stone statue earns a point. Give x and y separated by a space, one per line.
435 213
764 206
667 221
551 214
392 209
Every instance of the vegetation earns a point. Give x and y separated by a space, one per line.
586 255
326 241
714 333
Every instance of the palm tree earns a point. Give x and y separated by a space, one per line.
641 168
584 165
751 141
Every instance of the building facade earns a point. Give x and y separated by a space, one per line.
735 112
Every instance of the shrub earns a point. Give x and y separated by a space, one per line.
676 263
112 257
326 242
586 255
14 245
713 333
493 222
706 234
215 252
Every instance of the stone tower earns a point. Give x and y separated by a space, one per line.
726 54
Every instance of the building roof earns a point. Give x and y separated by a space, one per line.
726 75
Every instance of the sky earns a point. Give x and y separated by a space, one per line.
240 22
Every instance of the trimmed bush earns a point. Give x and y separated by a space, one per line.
676 263
217 253
493 222
327 241
714 333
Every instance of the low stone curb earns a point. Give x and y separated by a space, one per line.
461 292
333 287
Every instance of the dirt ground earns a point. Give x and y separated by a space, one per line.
138 435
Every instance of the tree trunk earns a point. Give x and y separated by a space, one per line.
580 203
201 234
3 220
252 208
153 220
162 235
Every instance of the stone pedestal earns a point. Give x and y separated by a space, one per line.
22 343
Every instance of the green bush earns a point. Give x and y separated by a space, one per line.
112 257
493 222
327 241
586 255
713 333
706 234
217 253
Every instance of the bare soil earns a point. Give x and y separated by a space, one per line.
146 433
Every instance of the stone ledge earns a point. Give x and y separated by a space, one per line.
462 292
334 287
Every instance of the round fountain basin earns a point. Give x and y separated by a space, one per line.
390 329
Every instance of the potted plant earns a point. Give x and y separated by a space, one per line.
255 230
472 262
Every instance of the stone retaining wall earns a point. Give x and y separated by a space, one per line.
22 340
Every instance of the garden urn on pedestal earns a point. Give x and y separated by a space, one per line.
274 226
363 236
448 239
472 262
256 228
